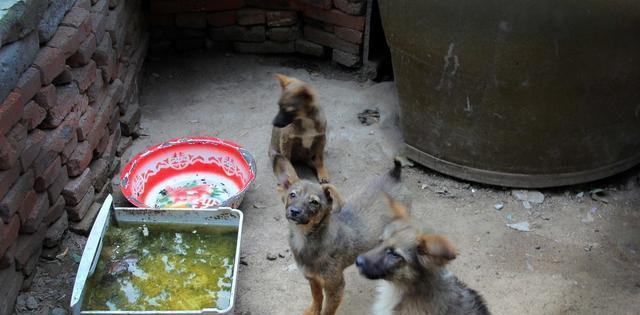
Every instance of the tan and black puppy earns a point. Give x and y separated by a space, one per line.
326 233
411 264
299 128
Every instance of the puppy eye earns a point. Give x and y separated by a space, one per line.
292 194
392 253
314 202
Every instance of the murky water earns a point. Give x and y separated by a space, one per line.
163 267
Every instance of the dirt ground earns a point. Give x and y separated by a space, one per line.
581 257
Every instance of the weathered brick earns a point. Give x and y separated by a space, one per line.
55 142
102 144
83 4
160 19
7 178
123 145
251 17
114 122
77 212
12 281
54 191
78 18
84 226
32 115
171 6
7 259
46 97
50 62
52 17
335 17
112 146
129 121
348 34
84 76
331 40
266 47
29 84
84 53
86 123
28 245
9 233
352 7
55 231
30 267
98 25
67 97
76 188
281 18
104 51
99 171
64 77
323 4
275 4
46 177
55 211
220 19
15 58
12 200
97 90
27 205
67 40
10 112
191 20
282 34
35 139
238 33
80 159
32 221
17 137
69 148
8 155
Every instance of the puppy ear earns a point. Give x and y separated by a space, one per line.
305 93
333 195
283 79
399 210
285 172
435 251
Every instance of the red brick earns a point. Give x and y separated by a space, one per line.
32 221
220 19
50 62
84 76
251 16
12 201
86 123
55 211
335 17
112 146
33 115
7 260
99 171
102 145
12 281
28 204
55 189
8 155
46 97
281 18
172 6
80 159
9 233
328 39
67 98
324 4
55 231
78 18
275 4
191 20
350 6
129 121
29 84
71 146
45 178
68 40
77 212
98 25
348 34
10 111
17 137
55 142
84 53
35 139
84 4
7 178
28 245
64 77
97 90
77 188
160 19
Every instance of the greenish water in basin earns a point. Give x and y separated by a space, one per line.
156 267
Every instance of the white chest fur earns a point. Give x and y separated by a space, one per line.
388 297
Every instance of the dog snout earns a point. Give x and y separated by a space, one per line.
294 212
360 261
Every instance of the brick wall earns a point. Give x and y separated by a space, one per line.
68 96
330 28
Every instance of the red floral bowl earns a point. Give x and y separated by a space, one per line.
194 172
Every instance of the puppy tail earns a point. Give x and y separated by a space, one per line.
396 172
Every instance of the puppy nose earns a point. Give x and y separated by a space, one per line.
294 212
359 261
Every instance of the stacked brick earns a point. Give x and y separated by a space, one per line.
318 28
68 96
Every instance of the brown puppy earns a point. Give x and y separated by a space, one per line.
412 266
299 127
326 234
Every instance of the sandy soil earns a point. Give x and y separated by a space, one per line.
582 257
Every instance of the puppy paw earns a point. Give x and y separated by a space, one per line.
323 180
311 310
